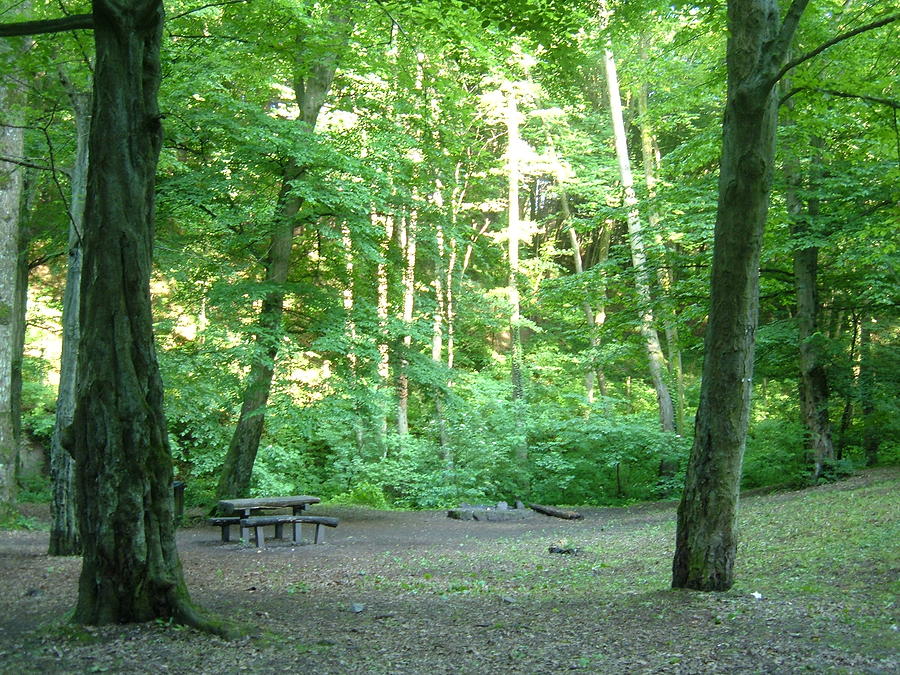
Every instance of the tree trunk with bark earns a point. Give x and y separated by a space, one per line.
131 570
655 358
12 145
867 382
813 377
407 236
514 234
651 160
64 539
706 537
311 86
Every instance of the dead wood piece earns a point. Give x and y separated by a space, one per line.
555 512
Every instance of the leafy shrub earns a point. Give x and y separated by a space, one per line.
35 489
363 494
38 400
775 454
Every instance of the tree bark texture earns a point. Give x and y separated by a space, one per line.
64 539
12 144
706 537
131 570
311 86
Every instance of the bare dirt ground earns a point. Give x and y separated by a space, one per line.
417 592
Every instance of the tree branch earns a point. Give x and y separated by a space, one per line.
26 164
207 6
890 103
786 34
74 22
835 40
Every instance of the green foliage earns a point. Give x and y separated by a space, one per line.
38 400
775 455
362 494
407 137
35 489
604 459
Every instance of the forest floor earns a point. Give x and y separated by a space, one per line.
417 592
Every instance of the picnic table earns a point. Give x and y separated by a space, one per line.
244 510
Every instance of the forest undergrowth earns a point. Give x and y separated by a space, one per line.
417 592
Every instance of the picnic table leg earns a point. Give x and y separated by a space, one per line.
298 530
279 530
245 531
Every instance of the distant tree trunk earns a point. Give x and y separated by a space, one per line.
590 377
437 332
847 413
514 233
871 441
706 537
383 308
12 144
651 161
237 469
407 236
813 379
64 538
131 570
348 300
655 358
310 91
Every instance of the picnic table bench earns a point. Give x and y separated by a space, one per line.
244 514
257 523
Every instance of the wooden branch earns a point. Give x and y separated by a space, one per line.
74 22
890 103
555 512
25 163
207 6
790 65
786 34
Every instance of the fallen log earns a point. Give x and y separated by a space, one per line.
555 512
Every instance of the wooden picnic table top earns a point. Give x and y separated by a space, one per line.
248 505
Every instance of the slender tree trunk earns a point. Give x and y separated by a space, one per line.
437 332
64 538
847 413
813 379
655 358
348 301
383 308
237 469
665 273
706 538
514 233
131 570
12 144
310 90
407 235
871 441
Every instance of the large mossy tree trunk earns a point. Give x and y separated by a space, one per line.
131 570
706 537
